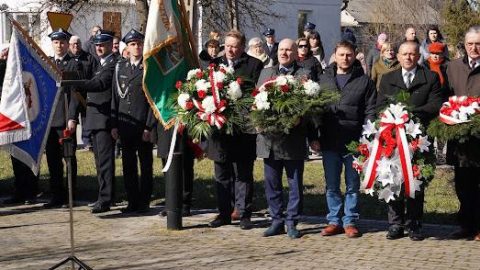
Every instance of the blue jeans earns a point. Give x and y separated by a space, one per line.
332 164
273 170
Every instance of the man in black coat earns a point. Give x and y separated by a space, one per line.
53 148
98 119
425 100
132 122
89 64
234 154
271 46
287 151
341 124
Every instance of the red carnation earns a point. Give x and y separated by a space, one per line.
239 81
212 65
199 74
220 85
414 145
285 88
178 85
363 149
416 171
222 103
222 70
201 94
255 92
189 105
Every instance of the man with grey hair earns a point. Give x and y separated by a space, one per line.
287 151
464 80
89 46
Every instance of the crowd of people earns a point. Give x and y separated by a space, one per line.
112 106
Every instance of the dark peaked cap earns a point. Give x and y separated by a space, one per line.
309 26
133 35
269 32
60 34
103 36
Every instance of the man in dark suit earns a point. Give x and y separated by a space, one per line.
287 151
53 148
89 45
132 122
234 154
271 46
98 119
425 99
89 64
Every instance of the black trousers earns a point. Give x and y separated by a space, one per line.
405 211
103 150
25 183
138 192
54 153
240 175
467 187
188 162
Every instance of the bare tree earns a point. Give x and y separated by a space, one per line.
234 14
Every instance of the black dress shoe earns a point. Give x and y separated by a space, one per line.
462 233
93 204
395 232
274 229
129 209
219 221
13 200
186 211
30 201
416 234
245 223
100 209
53 204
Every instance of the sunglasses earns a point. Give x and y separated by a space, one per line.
303 46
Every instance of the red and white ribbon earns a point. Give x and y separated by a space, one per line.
454 103
213 119
388 122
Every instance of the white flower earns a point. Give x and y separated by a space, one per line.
423 143
290 78
227 69
281 80
369 128
397 110
182 100
413 129
202 85
192 73
386 179
234 91
383 166
208 105
311 88
386 194
261 101
219 76
369 191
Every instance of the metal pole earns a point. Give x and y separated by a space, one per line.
174 192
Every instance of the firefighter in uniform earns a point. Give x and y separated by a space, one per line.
53 149
132 122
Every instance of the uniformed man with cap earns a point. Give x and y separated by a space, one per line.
308 28
132 122
98 118
271 46
53 149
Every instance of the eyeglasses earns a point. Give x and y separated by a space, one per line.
302 46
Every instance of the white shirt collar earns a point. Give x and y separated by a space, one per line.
135 62
413 71
104 59
56 57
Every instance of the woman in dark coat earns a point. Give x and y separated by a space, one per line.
306 59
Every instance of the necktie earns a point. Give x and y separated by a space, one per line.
57 62
473 64
408 79
133 67
284 70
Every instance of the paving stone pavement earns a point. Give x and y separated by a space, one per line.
34 238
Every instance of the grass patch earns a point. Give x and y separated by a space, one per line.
441 203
